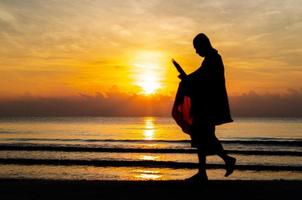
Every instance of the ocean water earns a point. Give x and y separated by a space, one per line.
144 148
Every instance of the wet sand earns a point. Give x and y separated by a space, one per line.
81 189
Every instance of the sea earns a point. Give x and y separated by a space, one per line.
144 148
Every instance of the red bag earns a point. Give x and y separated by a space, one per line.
181 113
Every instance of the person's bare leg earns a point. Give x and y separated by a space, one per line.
201 175
229 162
202 166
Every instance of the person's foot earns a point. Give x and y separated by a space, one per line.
198 178
230 164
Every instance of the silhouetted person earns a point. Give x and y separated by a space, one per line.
201 103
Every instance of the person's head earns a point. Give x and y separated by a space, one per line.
202 44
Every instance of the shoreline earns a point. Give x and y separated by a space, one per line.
95 189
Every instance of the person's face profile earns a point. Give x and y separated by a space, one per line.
199 50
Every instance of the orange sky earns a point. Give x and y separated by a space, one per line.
55 48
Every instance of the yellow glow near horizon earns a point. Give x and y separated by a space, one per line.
149 83
149 71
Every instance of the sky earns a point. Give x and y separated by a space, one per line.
62 49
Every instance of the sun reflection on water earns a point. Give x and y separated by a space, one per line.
148 174
148 157
149 130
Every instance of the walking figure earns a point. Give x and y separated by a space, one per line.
201 103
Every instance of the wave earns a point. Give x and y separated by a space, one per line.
253 141
7 132
138 150
150 164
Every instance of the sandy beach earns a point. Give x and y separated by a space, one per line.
65 189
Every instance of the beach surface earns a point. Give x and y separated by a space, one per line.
82 189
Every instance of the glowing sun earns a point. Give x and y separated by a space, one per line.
148 71
149 84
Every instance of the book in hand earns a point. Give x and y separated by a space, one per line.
182 73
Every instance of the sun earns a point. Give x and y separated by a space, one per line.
149 85
148 71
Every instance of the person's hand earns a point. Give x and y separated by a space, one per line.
182 76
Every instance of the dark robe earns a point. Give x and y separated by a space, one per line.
209 105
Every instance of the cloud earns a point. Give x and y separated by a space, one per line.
113 104
268 105
117 103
